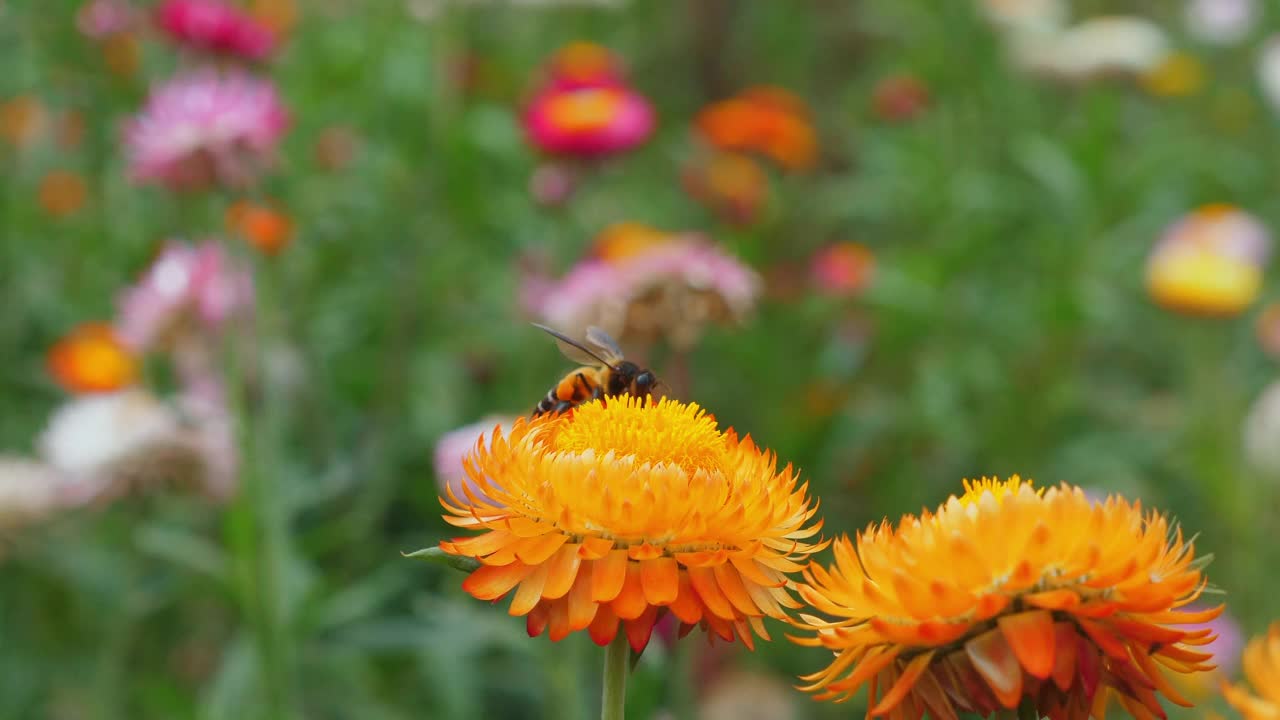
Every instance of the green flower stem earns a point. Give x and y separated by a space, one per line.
616 660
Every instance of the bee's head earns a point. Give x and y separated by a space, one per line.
644 382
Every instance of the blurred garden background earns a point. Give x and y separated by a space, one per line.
256 267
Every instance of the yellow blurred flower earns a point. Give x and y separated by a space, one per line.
623 511
1209 263
1005 595
1262 670
1178 75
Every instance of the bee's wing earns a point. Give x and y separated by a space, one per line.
575 350
608 347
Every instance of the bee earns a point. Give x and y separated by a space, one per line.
605 373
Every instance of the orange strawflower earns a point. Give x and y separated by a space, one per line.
62 193
266 228
618 513
627 239
92 359
766 120
1262 669
1010 595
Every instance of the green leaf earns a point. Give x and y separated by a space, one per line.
440 557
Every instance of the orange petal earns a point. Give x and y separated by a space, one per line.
868 667
530 592
608 575
1053 599
593 548
1102 637
640 629
660 579
910 674
730 583
582 609
560 628
490 582
536 550
536 621
644 551
704 582
1064 662
1031 635
604 627
1152 671
562 571
630 602
995 662
687 605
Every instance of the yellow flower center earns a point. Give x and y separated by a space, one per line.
664 432
584 110
975 490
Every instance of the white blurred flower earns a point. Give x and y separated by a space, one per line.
107 445
1262 432
1025 15
29 491
1220 22
1116 45
1269 71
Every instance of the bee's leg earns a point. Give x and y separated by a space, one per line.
598 392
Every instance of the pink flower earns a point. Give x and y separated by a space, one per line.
453 447
588 121
585 109
843 269
187 287
205 127
670 288
215 26
99 19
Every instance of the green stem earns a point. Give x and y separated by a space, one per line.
1027 711
616 659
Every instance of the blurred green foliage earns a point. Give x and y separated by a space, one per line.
1011 333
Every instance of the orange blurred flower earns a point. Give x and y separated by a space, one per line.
70 129
265 227
1262 669
92 359
1210 262
767 120
22 119
62 193
122 54
584 62
628 239
278 15
618 513
843 268
1268 329
731 185
1008 595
